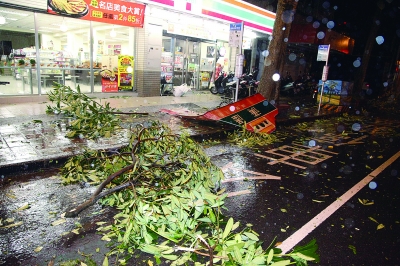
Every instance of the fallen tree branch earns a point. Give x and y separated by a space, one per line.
96 195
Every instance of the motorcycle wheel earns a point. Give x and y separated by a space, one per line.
214 90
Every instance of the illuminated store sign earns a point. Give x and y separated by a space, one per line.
226 10
110 11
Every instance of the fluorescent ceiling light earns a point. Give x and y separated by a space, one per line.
14 13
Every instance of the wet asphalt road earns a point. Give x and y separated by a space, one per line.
331 157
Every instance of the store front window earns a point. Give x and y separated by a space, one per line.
15 68
63 53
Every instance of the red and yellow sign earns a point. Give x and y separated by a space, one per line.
254 112
108 11
125 72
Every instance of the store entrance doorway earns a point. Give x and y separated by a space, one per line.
194 61
187 61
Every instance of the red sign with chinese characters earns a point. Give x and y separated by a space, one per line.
108 11
254 112
108 85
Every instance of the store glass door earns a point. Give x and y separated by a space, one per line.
192 68
194 61
207 64
179 62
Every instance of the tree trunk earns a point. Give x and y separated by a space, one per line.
361 73
283 54
267 86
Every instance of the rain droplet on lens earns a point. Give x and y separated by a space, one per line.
372 185
356 127
320 35
340 128
335 7
346 169
287 16
312 143
297 108
330 24
300 195
315 24
324 20
265 53
272 102
232 108
302 61
393 172
349 222
286 40
309 18
385 84
292 57
369 91
324 166
357 63
326 4
379 40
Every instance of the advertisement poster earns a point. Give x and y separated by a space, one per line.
109 11
125 72
332 91
109 81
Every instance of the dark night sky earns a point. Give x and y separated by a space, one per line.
355 18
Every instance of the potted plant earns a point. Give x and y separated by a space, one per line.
21 62
33 62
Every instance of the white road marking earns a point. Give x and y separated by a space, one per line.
300 234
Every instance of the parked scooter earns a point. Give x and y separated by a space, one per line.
220 84
247 86
166 88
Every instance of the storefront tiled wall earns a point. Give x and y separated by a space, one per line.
147 77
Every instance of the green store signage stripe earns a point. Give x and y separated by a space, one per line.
238 12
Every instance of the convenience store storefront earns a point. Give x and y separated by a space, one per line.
103 50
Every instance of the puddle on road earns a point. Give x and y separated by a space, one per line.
33 204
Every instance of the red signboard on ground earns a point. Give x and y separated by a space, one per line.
108 11
255 112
